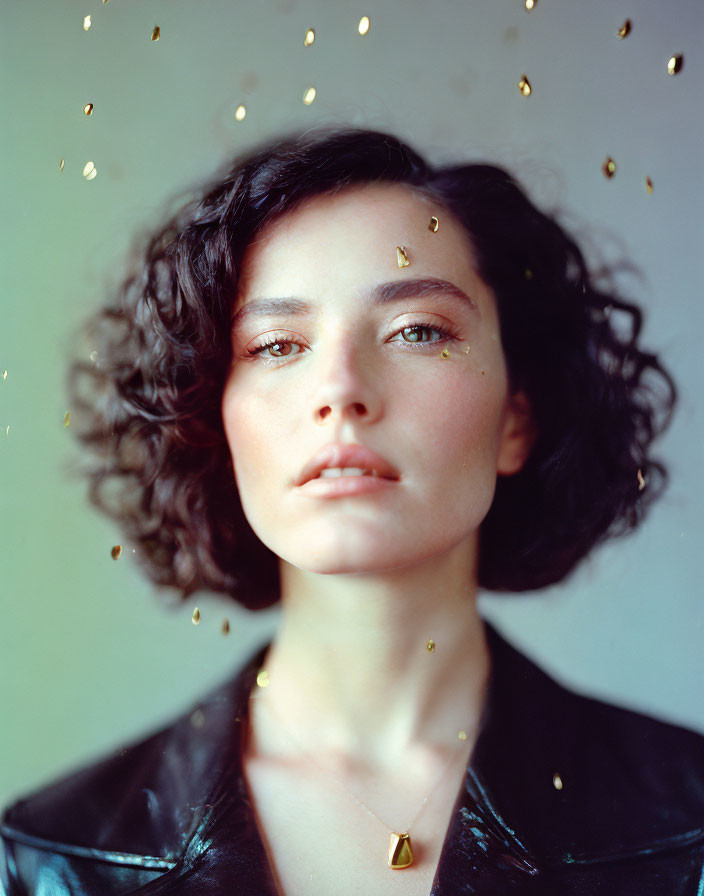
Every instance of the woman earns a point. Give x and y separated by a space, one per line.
366 387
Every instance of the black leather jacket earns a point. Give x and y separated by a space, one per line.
170 815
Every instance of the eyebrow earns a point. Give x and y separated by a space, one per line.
381 294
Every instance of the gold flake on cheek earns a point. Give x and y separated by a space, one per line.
87 22
466 351
309 39
557 782
433 225
116 551
648 186
462 734
309 96
240 113
641 480
430 646
88 109
445 354
225 628
61 164
624 30
402 257
195 618
608 169
67 418
156 33
89 171
263 678
674 65
363 26
524 86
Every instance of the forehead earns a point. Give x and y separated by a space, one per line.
332 241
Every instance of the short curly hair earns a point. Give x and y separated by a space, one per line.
148 404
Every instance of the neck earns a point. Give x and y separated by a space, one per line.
350 671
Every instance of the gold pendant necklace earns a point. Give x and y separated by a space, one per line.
400 853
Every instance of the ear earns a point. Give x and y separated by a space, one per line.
518 435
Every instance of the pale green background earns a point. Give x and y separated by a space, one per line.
90 658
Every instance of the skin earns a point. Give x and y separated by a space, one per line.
368 579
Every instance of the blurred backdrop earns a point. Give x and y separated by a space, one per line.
90 655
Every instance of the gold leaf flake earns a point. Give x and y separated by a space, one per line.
195 619
116 551
7 431
309 38
445 354
462 734
87 23
466 351
67 418
61 164
430 646
240 113
4 374
624 30
402 257
608 169
309 96
530 5
225 627
524 86
263 678
557 782
156 33
434 224
675 63
648 186
641 480
93 356
363 26
89 171
88 109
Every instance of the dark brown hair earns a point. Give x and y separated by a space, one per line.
148 407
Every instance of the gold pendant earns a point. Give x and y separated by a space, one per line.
400 852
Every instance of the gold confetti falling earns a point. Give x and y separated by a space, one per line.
195 618
89 171
462 734
363 26
225 628
263 678
557 782
608 169
93 356
648 186
240 113
445 354
7 431
309 39
430 646
524 86
309 96
528 274
61 164
156 33
402 257
4 374
116 551
88 109
67 418
624 30
87 22
674 65
433 225
641 480
530 5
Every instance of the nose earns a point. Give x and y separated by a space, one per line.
347 389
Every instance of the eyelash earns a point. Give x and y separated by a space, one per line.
446 333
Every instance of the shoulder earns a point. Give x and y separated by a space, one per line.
132 811
587 777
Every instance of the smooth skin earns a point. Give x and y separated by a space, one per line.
357 706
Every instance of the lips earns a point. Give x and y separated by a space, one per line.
337 454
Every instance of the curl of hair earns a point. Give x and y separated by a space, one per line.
148 408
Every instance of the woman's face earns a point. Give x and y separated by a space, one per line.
368 364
